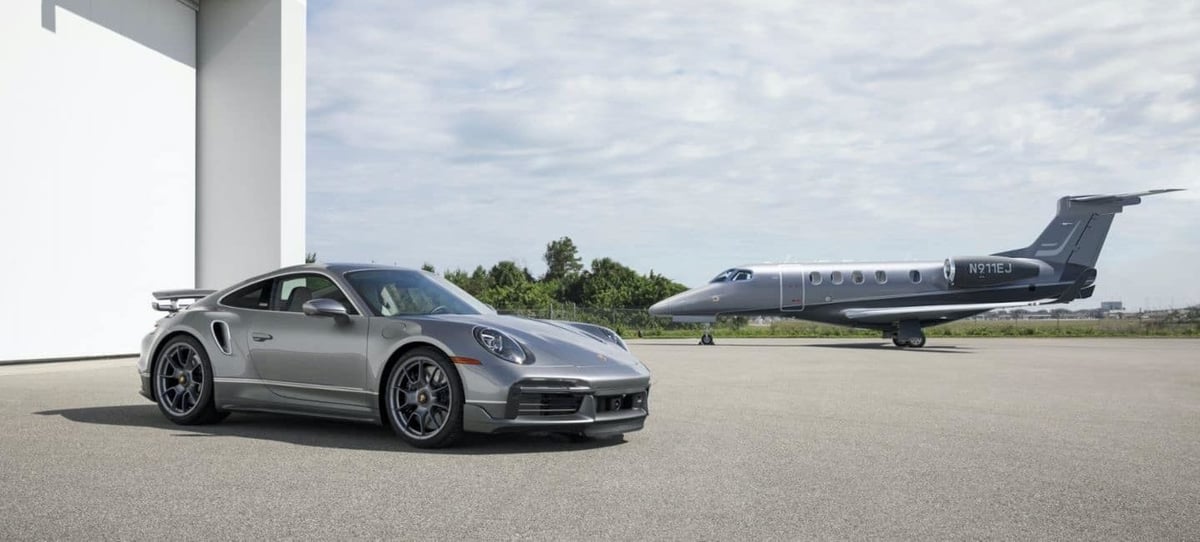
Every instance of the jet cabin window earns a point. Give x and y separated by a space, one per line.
881 277
857 277
835 277
814 277
914 276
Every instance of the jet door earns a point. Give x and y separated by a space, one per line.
791 289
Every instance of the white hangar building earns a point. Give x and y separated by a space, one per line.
144 145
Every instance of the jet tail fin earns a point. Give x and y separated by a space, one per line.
1077 233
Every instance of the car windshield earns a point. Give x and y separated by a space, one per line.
401 292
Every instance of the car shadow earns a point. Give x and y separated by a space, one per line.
307 431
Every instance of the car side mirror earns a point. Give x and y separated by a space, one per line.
325 307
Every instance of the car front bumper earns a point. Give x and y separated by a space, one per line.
541 405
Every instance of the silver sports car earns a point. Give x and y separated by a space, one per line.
395 346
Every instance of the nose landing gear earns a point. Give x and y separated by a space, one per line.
707 339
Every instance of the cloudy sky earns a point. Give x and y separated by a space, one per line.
690 136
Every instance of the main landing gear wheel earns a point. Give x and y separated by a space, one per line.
183 385
425 399
911 342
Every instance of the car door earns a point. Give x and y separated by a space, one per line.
310 358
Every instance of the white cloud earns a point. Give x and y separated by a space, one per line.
690 136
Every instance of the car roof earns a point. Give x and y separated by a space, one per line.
339 267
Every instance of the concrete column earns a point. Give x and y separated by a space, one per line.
250 130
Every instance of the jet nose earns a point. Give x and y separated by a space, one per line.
662 308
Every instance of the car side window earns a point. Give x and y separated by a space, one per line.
294 290
254 296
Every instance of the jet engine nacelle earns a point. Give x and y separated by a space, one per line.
983 271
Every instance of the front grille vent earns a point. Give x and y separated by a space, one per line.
547 404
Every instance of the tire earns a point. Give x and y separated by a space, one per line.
423 399
917 342
183 383
899 342
706 339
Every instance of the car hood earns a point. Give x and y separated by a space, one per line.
553 343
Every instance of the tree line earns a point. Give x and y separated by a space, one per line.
605 283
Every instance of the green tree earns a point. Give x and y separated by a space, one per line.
506 274
654 288
609 284
428 267
523 295
475 283
562 259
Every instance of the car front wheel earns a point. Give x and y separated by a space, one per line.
424 400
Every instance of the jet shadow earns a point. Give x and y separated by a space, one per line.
322 433
944 349
936 349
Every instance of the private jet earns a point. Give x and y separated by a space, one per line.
901 299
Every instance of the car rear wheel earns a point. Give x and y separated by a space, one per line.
183 385
425 399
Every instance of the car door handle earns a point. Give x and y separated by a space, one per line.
260 337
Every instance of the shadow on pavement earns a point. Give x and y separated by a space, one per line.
936 349
318 432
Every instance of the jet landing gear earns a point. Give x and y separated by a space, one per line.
707 339
908 334
914 342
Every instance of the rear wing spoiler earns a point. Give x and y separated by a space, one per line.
172 298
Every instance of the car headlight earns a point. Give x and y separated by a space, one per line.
501 345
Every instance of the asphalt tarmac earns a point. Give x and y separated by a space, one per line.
749 439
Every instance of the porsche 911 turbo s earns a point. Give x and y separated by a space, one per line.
401 347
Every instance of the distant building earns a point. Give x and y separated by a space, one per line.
1112 306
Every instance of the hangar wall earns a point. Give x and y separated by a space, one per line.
251 149
97 161
100 143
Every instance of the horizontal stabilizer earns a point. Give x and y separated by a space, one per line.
1076 235
1123 199
885 315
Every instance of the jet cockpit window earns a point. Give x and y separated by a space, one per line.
724 276
742 274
